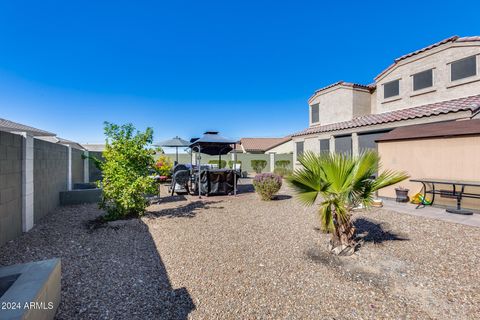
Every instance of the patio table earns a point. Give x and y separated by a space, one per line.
458 192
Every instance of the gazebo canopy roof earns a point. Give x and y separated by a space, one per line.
212 143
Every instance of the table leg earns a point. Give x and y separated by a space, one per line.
458 209
421 203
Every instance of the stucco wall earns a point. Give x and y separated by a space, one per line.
447 158
286 147
10 186
334 105
77 166
50 176
443 89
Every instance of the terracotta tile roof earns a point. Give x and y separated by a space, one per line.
262 144
368 87
434 130
471 103
437 44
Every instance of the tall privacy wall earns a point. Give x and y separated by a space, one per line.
32 174
10 186
49 176
93 172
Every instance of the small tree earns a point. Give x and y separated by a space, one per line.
343 182
258 165
126 171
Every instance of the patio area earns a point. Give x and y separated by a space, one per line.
237 257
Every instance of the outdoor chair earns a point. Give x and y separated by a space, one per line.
181 178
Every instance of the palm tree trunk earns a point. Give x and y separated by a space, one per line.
343 241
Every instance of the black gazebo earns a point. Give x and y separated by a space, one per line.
212 143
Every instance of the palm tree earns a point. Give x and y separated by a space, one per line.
343 182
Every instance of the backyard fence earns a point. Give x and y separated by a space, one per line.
245 158
32 174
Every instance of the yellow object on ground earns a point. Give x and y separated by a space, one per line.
420 199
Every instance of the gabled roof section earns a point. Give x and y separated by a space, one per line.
432 46
66 142
369 87
10 126
94 147
471 103
262 144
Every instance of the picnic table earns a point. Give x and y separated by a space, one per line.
457 192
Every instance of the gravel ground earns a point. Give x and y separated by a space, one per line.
242 258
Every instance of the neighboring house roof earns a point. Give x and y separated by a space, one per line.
262 144
434 130
369 87
471 103
94 147
10 126
435 45
59 140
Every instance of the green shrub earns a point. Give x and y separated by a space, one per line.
126 171
258 165
230 163
282 172
267 184
221 163
282 163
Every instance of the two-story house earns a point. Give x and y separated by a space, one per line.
438 83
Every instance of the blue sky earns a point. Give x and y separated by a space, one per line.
245 68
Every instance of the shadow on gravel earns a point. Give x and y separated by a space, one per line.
245 188
112 272
375 232
280 197
170 198
185 211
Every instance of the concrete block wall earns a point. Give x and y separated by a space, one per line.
50 176
94 173
77 166
10 186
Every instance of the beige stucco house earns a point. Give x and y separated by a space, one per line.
438 83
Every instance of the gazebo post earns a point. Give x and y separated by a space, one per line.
234 169
199 172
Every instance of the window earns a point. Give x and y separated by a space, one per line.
315 113
423 80
299 148
324 145
391 89
463 68
366 141
343 144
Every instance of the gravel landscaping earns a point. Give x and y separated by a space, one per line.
242 258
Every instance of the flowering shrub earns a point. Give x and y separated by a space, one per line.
267 184
164 166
